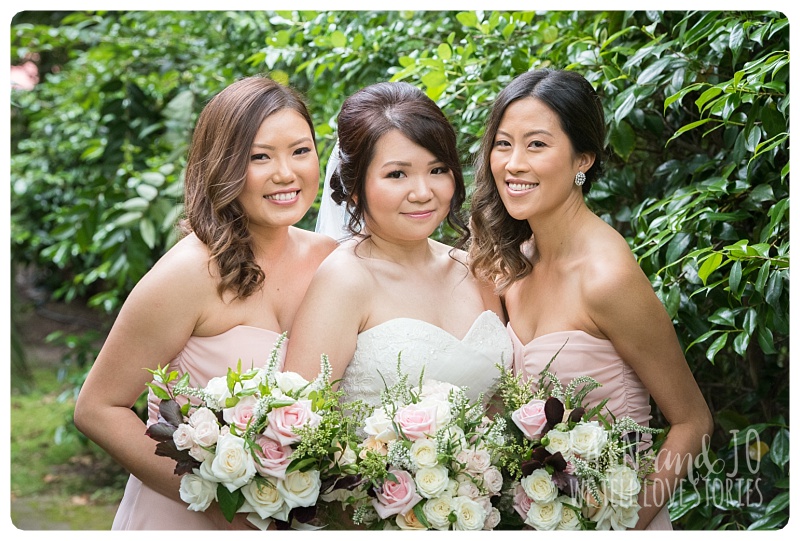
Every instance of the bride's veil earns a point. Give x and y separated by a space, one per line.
332 218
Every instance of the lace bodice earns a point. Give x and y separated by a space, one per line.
468 362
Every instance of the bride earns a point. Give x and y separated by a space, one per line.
388 290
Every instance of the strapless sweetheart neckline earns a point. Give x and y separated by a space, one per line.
554 333
427 324
425 348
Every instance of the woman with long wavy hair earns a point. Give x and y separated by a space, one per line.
573 290
222 295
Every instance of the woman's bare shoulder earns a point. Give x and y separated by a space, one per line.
185 266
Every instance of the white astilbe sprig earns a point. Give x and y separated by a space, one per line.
325 372
623 425
260 411
555 388
210 401
274 361
590 475
575 397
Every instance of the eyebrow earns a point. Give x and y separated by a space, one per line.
294 143
408 164
526 134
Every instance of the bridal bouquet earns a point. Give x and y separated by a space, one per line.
428 460
569 468
257 441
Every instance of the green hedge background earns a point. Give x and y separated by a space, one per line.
697 105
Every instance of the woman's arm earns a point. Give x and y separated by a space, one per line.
153 325
624 307
329 318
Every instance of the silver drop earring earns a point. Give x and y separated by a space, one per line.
580 178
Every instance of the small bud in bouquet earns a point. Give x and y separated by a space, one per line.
257 441
427 460
568 467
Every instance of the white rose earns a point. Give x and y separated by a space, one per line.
468 490
610 517
492 519
423 453
262 497
217 391
300 489
379 426
479 461
201 454
493 480
438 390
437 511
545 516
559 443
588 440
197 492
624 517
455 435
539 486
622 485
570 519
233 465
183 437
251 382
206 431
291 382
431 482
452 487
443 414
470 514
345 458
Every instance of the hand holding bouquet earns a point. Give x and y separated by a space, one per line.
428 461
570 468
258 441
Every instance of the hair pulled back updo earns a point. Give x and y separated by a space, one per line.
216 171
495 252
370 113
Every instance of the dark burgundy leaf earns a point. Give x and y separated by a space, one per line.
556 461
170 411
348 482
161 431
304 514
169 450
577 414
553 411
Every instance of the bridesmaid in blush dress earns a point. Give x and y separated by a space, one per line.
222 294
569 279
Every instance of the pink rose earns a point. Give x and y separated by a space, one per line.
396 498
530 418
283 421
272 458
417 420
521 501
241 413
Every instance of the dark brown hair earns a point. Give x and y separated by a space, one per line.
495 252
376 110
216 171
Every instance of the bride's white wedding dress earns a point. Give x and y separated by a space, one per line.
468 362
